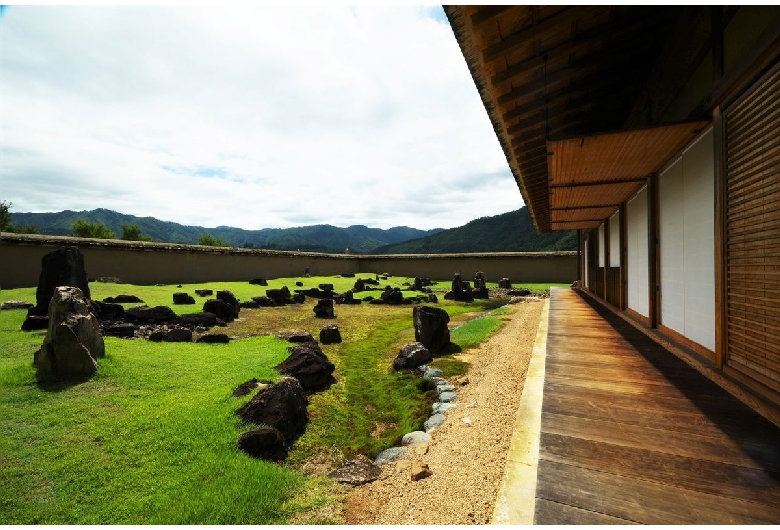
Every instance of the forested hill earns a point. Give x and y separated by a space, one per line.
319 238
508 232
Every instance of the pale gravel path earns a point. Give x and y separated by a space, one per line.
467 461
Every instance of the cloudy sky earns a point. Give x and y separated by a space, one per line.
248 117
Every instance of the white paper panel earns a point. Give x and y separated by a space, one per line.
614 240
672 252
636 228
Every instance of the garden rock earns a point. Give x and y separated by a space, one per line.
308 365
16 304
432 372
259 281
249 304
73 341
519 292
359 286
411 355
504 283
347 274
432 298
480 286
61 267
389 455
392 296
324 309
125 331
461 291
330 334
246 388
263 301
299 284
214 338
183 299
430 327
326 287
106 311
221 309
178 335
204 292
420 470
123 299
434 421
198 319
281 406
231 301
295 335
298 298
266 443
279 296
35 322
415 438
109 279
446 397
439 408
150 315
360 470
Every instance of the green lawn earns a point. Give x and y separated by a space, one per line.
152 437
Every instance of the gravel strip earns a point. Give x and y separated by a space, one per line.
467 453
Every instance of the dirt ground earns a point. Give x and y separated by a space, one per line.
467 454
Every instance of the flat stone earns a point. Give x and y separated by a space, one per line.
446 397
445 388
361 470
443 407
420 470
434 421
433 372
389 455
416 438
16 304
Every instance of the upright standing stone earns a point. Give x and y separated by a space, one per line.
73 341
430 327
64 266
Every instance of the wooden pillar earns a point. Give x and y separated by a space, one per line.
606 258
623 257
721 327
653 257
580 274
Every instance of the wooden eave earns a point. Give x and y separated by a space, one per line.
590 176
547 72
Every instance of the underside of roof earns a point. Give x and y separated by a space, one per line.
552 73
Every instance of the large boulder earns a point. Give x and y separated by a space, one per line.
281 406
330 334
430 327
183 299
480 286
324 308
279 296
259 281
392 296
73 341
461 291
308 365
294 335
150 315
61 267
412 355
123 299
204 292
106 311
231 301
266 443
198 319
504 283
221 309
263 301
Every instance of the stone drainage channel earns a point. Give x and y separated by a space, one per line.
446 395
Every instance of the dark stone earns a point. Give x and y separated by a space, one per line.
324 309
35 322
106 311
430 327
347 275
221 309
480 286
299 284
73 341
295 335
157 336
61 267
214 338
373 301
519 292
183 299
281 406
198 319
16 304
150 315
360 285
433 298
504 283
266 443
204 292
371 281
231 301
355 472
123 299
308 365
259 281
330 334
326 286
280 296
412 355
247 388
249 304
347 297
299 298
109 279
461 291
178 335
263 301
125 331
393 296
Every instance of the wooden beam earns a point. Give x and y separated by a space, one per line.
520 38
598 183
487 14
566 208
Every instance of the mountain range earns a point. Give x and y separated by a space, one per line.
509 232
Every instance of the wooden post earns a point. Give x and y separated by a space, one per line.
721 323
653 257
623 257
606 259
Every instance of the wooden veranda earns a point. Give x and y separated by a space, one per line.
632 434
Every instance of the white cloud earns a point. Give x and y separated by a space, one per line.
249 117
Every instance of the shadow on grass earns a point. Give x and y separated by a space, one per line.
450 349
54 386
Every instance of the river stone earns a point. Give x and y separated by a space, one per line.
360 470
432 372
434 421
446 397
445 388
442 407
416 438
389 455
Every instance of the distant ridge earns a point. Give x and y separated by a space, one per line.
318 238
507 232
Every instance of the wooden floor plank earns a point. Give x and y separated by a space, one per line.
631 433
